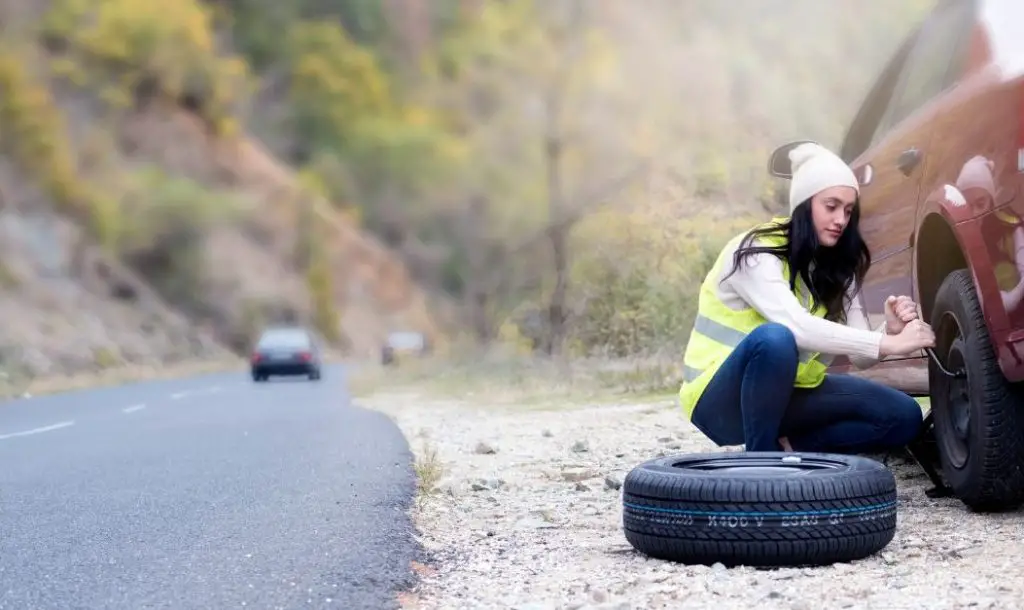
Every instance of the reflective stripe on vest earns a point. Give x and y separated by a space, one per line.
718 329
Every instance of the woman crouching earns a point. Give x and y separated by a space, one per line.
780 300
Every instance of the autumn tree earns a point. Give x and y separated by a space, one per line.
525 85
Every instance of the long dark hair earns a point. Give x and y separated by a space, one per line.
828 272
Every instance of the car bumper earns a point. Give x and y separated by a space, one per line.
284 368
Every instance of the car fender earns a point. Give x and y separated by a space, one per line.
948 237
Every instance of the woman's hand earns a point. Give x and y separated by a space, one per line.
914 336
899 311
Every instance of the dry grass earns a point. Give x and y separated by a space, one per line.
500 378
528 382
429 471
53 384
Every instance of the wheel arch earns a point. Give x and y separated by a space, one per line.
948 239
942 254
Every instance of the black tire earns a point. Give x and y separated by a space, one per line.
983 463
773 509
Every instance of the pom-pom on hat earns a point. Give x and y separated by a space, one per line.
977 173
815 168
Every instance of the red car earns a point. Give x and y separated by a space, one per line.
938 145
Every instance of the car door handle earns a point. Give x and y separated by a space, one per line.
908 160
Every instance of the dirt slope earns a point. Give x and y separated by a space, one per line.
69 306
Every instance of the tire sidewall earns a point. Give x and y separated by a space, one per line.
853 466
950 304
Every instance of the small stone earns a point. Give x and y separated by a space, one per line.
546 434
446 487
581 487
486 484
483 448
580 447
577 474
598 596
612 482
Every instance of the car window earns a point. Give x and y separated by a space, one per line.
284 338
406 340
932 66
865 124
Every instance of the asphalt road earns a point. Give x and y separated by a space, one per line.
210 492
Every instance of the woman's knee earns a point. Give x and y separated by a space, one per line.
775 338
906 419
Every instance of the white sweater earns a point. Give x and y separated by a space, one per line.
759 283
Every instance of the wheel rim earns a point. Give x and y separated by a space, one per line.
954 431
792 464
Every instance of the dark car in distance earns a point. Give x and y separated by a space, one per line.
285 351
938 147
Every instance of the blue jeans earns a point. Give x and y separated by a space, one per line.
751 401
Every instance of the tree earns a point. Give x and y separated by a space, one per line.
523 84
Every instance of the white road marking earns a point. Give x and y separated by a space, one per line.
63 424
133 408
209 390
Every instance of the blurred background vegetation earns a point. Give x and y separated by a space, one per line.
552 176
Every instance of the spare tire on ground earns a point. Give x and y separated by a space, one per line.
759 509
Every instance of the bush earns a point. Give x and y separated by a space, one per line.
636 288
130 49
335 83
321 292
32 133
163 223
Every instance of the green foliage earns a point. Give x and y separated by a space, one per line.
637 293
128 48
346 112
32 132
164 221
335 83
321 291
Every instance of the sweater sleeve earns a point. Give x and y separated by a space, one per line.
857 318
761 283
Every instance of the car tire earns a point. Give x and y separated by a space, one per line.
314 376
766 509
979 429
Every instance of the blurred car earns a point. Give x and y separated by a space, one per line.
938 147
286 351
403 344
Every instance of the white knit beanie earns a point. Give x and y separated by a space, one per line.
977 173
815 169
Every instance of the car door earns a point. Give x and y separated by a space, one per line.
894 164
888 146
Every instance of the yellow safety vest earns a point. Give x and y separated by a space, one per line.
718 329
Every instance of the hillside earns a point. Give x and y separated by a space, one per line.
141 223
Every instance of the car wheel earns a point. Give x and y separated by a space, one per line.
978 425
759 509
314 376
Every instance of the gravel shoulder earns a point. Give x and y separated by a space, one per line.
523 510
